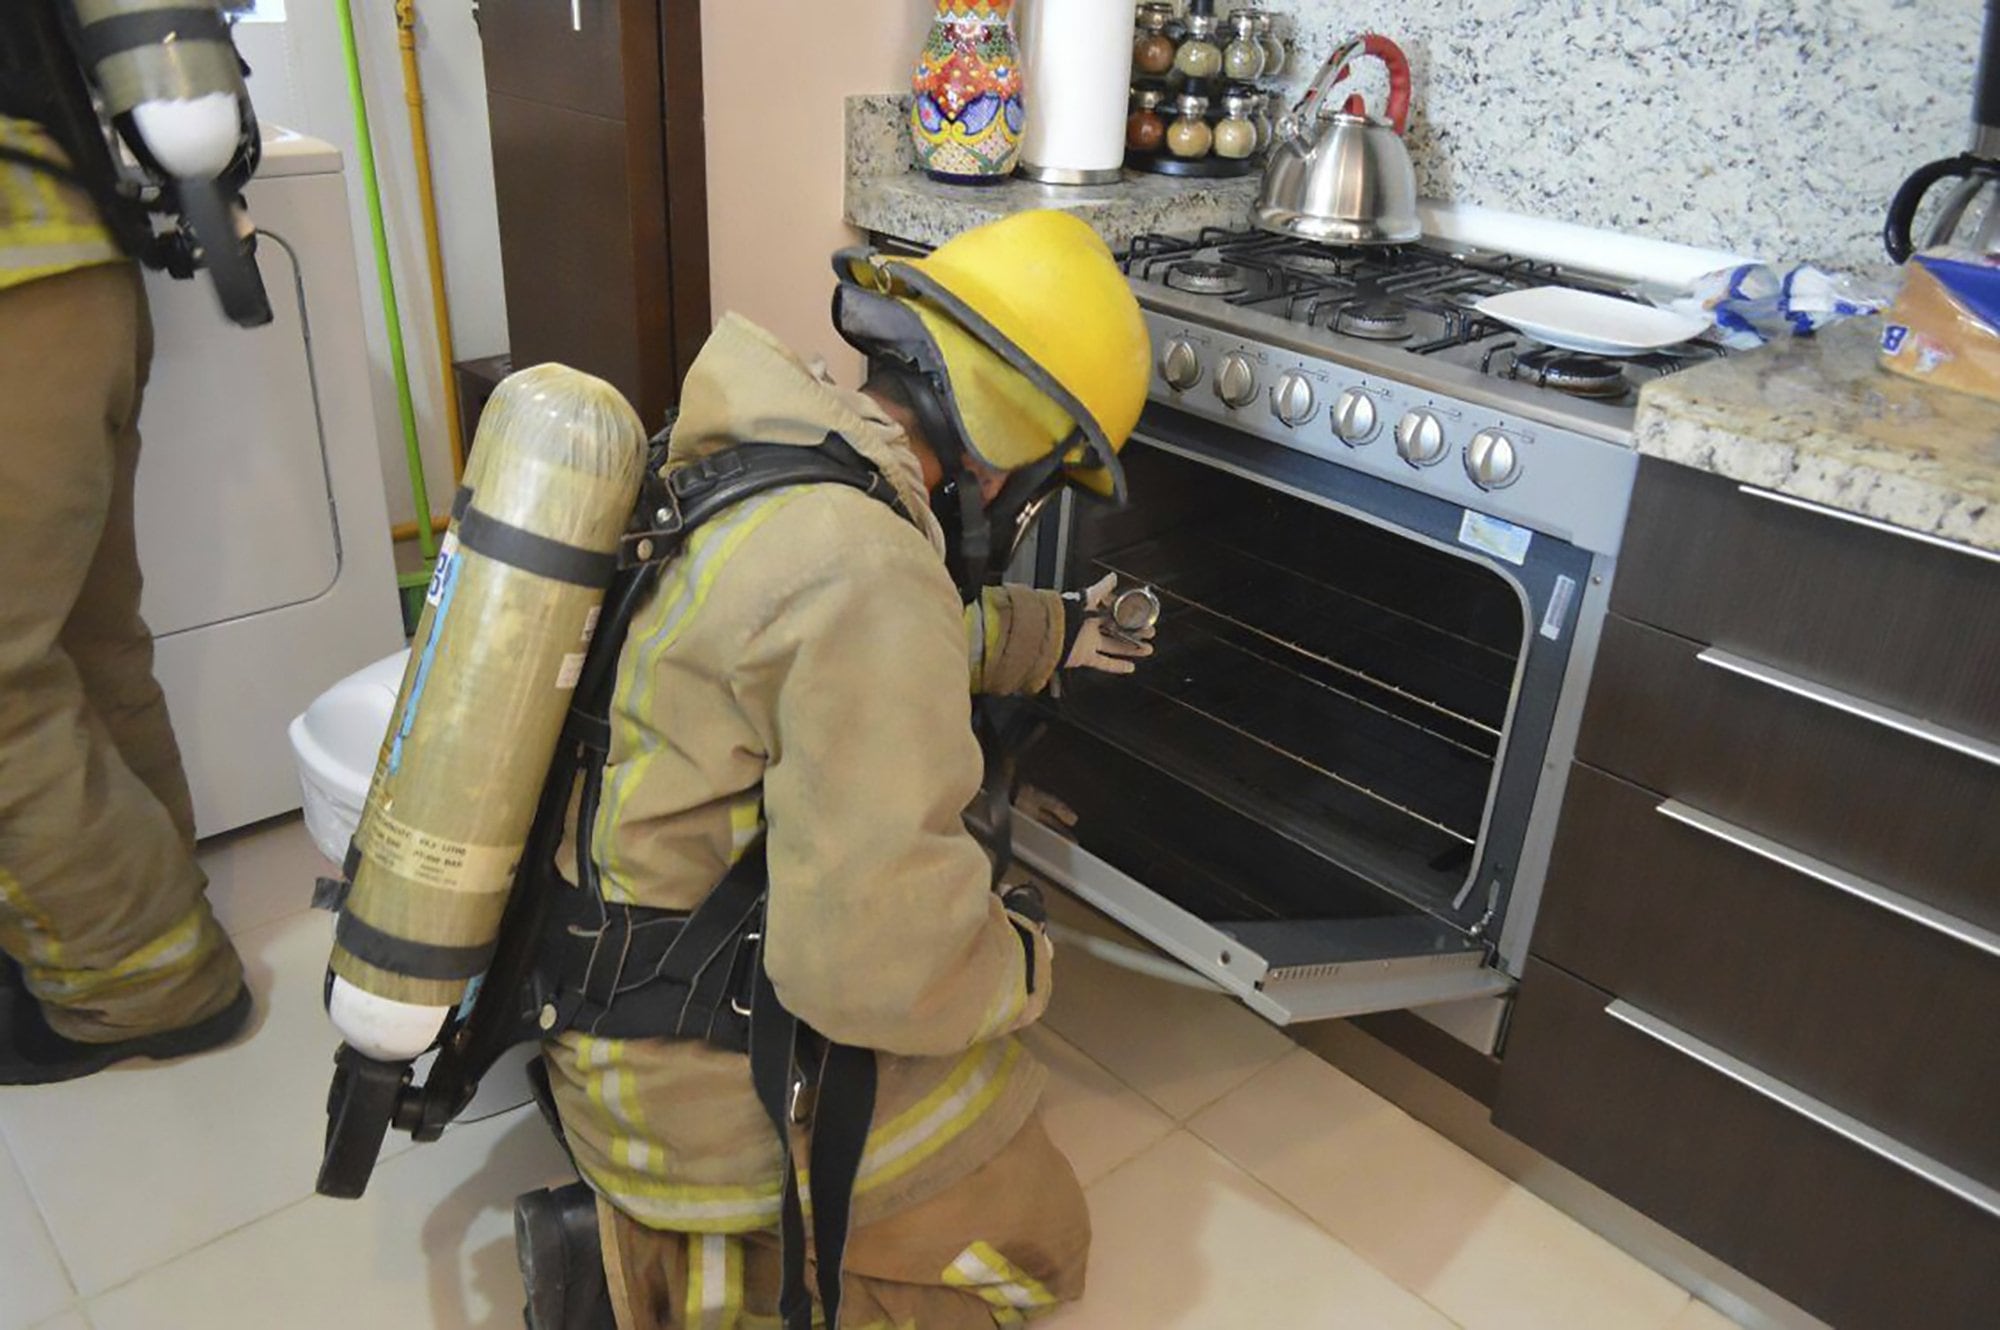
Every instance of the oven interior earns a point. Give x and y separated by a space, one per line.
1319 729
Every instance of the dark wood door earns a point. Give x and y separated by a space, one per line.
599 172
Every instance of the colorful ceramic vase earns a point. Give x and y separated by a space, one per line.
967 114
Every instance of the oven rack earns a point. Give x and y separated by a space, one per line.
1420 672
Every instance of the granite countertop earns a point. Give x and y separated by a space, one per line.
1819 419
886 193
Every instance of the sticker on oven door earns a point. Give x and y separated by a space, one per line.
1502 540
1558 610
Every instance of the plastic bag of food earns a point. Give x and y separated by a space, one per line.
1945 326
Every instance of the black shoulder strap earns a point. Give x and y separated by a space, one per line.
671 507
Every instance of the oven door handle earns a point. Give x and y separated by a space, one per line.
1150 964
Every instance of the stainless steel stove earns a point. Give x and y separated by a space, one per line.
1375 358
1383 530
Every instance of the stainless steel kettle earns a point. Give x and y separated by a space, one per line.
1337 174
1970 215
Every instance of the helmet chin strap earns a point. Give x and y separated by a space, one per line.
957 503
980 536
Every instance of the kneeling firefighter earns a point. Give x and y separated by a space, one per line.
777 977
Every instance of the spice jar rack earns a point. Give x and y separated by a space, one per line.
1202 99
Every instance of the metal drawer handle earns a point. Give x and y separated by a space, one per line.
1820 1114
1873 524
1900 721
1895 902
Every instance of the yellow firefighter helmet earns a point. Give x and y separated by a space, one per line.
1032 327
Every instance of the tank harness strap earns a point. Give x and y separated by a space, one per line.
518 547
115 34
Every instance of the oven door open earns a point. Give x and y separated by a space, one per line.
1315 792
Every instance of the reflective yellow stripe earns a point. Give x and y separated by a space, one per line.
935 1121
613 1088
746 819
975 641
1010 1291
46 226
682 593
1006 1008
26 930
179 949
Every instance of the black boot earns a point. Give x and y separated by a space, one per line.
33 1054
562 1260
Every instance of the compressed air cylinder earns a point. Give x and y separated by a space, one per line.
171 66
507 619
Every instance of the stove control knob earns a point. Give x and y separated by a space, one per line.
1180 365
1420 439
1492 460
1292 399
1355 420
1235 380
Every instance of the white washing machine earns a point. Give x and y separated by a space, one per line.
263 533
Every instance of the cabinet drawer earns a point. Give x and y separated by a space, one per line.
1897 810
1881 614
1818 1217
1881 1016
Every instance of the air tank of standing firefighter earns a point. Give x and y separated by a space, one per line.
555 470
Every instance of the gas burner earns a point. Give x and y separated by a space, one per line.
1204 278
1315 265
1374 321
1573 372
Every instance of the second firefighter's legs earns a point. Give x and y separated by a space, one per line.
101 900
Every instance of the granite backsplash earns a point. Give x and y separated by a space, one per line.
1778 128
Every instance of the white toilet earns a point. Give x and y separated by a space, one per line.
336 741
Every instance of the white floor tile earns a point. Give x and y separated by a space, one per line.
70 1320
430 1247
1183 1048
1185 1240
262 873
1092 1116
149 1160
31 1275
1489 1254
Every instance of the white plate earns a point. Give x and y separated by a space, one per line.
1585 321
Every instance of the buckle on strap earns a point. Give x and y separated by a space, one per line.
659 537
804 1098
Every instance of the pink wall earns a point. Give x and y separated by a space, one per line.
776 73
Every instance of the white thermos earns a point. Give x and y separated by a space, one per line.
1076 59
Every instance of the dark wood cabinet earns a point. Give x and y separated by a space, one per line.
1764 980
1842 1232
1896 809
1885 615
599 174
1827 992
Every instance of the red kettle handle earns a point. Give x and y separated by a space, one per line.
1337 68
1390 54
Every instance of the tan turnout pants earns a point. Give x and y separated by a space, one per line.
100 896
1004 1244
